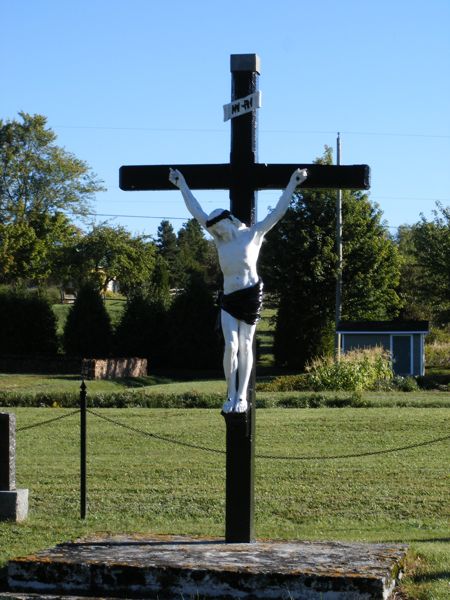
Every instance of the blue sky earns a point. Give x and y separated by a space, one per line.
144 82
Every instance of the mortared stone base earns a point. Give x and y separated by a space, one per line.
168 567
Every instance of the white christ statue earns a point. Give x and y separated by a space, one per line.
238 249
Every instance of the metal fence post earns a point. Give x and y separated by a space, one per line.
83 432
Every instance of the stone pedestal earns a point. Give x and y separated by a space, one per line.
13 505
13 502
168 567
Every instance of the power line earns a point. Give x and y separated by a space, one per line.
289 131
188 217
135 216
155 129
272 192
412 198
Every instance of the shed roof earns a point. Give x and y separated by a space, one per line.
383 327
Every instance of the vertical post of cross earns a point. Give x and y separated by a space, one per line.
240 436
244 138
13 502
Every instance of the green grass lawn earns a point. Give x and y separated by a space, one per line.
139 484
29 383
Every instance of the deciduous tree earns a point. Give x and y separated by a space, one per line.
40 185
110 253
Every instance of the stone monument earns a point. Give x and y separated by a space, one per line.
13 502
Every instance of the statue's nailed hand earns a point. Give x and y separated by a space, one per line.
299 176
176 177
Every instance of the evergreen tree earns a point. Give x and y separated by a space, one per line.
299 263
142 330
88 330
166 243
432 253
414 305
194 341
28 324
159 285
196 255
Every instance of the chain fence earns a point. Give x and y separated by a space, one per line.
177 442
83 411
270 456
47 421
156 436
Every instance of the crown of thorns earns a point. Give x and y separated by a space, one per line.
225 214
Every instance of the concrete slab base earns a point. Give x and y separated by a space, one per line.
13 505
179 567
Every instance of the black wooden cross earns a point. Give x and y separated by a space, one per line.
243 176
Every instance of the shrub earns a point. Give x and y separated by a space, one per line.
405 384
88 330
286 383
437 354
439 335
196 399
125 399
311 401
434 382
28 324
362 369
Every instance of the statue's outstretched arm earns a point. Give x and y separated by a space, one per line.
191 202
297 178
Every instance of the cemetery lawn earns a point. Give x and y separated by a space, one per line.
141 484
34 384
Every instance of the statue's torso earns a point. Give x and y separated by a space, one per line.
238 258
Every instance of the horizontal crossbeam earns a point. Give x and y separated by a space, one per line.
258 176
356 177
156 177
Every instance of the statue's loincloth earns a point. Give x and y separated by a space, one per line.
244 305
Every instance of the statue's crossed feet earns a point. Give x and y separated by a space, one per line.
239 405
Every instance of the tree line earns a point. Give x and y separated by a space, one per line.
42 188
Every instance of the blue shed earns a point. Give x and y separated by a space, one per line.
405 341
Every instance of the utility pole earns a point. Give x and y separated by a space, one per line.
338 306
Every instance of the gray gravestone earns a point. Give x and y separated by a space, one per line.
13 502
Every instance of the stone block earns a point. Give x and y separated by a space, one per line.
7 451
177 567
14 505
113 368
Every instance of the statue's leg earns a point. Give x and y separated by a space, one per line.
245 363
230 357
